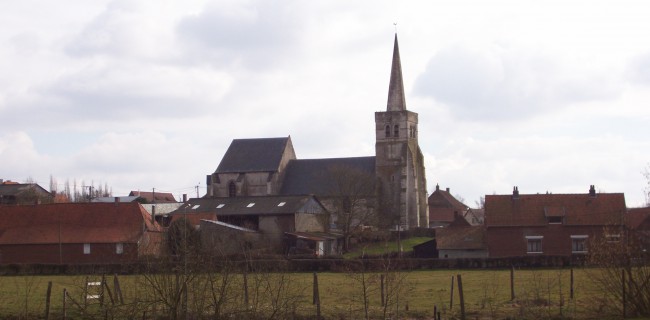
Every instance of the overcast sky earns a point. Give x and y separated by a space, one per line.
544 95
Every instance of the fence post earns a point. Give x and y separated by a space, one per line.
571 294
623 287
316 296
451 296
383 299
460 295
65 294
47 300
246 289
512 283
118 290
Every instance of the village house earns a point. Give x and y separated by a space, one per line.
551 224
77 233
12 193
444 208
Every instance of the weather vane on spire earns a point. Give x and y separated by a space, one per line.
395 25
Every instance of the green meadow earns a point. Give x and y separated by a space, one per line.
539 294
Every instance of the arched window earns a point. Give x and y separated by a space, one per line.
387 131
396 133
232 189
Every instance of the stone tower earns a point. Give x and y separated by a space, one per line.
399 161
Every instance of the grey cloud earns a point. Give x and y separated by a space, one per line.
256 35
638 70
498 84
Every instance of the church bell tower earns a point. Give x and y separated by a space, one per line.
399 160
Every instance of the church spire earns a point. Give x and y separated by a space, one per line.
396 101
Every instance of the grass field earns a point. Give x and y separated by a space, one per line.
540 294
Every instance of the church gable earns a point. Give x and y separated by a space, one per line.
255 155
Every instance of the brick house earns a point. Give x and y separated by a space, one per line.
77 233
551 224
444 208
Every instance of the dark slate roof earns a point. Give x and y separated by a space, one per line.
253 155
13 189
263 205
533 209
314 176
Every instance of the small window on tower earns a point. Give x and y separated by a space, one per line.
396 133
387 131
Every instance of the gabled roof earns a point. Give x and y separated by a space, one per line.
461 238
74 223
638 218
315 176
443 206
13 189
533 209
266 205
161 197
254 155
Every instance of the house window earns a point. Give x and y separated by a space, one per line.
119 248
579 244
232 189
534 244
387 131
396 133
86 248
555 220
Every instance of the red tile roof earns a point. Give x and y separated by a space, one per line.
161 197
442 206
533 209
637 218
74 223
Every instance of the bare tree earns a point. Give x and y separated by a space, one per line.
646 189
351 199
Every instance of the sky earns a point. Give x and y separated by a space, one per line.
549 96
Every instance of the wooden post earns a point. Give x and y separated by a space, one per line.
451 296
316 296
86 293
571 290
512 283
623 287
435 311
246 289
118 290
460 295
383 295
47 300
65 294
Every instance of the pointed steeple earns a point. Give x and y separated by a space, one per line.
396 101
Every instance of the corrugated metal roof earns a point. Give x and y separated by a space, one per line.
263 205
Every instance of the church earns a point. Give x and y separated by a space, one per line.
390 186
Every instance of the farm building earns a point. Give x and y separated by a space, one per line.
266 223
77 233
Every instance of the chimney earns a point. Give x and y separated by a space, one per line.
184 197
153 214
437 187
447 190
592 191
515 192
